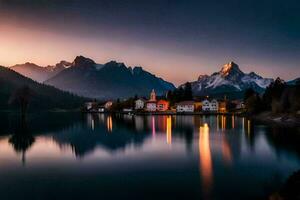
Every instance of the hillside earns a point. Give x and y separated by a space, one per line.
42 96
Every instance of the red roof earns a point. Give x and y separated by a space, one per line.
162 102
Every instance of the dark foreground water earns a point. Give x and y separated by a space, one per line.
74 156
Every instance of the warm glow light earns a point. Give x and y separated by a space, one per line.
248 127
109 123
205 158
223 122
232 121
169 130
218 123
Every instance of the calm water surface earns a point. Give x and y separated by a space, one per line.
74 156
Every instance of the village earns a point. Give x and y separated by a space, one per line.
160 105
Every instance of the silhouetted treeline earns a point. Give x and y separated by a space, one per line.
183 93
279 97
20 93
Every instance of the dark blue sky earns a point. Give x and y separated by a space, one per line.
177 39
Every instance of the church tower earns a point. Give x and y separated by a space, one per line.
153 96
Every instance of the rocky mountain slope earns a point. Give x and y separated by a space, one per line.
108 81
229 79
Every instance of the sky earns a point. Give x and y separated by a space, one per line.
177 40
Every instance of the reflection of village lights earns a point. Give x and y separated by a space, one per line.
232 121
205 157
226 152
93 124
101 118
109 123
243 124
153 127
169 130
248 126
218 123
223 122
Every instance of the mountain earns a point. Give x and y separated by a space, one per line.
109 81
294 82
39 73
230 79
42 96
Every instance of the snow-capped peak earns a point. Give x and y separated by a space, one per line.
229 78
231 71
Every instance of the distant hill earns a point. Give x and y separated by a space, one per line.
230 80
39 73
109 81
43 96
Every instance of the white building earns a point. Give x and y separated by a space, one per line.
151 106
139 104
210 106
205 105
89 105
185 106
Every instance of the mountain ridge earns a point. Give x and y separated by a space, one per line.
229 79
40 73
107 81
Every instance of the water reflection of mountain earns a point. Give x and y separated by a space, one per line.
103 131
84 133
284 139
38 123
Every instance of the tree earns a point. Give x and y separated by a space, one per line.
188 93
22 97
252 102
273 94
248 93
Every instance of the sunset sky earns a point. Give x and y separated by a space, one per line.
175 39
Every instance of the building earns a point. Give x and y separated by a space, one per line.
90 106
152 96
185 106
139 104
222 106
108 105
101 109
238 104
210 106
162 105
214 105
205 105
197 106
151 106
151 103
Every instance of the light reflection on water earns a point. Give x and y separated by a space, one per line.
199 157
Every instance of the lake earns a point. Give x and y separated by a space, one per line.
85 156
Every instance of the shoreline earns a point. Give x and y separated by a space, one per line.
283 119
